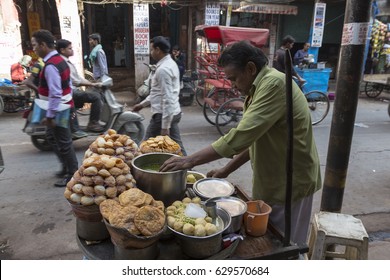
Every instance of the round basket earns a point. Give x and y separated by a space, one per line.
90 213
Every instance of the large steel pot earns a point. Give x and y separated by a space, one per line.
164 186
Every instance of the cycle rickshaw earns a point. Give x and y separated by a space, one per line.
222 104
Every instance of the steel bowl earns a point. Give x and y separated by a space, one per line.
203 247
235 207
198 176
213 187
164 186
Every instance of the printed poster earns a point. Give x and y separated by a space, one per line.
212 18
318 24
141 29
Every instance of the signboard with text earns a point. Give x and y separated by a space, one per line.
141 28
318 24
212 18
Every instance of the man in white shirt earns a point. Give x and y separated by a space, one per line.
164 94
64 47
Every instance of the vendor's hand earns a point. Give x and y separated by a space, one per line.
177 163
164 131
137 107
49 122
217 173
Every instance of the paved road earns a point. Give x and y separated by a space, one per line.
36 221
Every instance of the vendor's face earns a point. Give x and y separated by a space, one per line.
241 79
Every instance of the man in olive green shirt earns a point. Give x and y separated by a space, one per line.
261 137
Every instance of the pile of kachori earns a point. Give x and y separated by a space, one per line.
135 211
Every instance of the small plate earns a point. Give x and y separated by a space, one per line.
213 187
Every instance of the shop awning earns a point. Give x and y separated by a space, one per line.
268 9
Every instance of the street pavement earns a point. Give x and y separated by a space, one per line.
37 222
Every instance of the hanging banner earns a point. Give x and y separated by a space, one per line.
68 16
141 28
318 24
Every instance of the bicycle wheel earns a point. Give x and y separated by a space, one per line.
12 104
199 92
373 90
229 115
215 98
202 89
318 105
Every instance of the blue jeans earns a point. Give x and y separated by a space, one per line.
154 129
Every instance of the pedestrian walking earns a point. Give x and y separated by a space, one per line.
164 94
97 57
54 86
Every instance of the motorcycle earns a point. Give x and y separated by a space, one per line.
113 115
187 88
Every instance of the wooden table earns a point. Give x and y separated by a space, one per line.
269 246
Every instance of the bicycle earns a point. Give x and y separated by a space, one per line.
230 113
318 103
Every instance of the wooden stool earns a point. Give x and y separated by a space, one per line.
337 229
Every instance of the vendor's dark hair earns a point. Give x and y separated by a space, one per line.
95 36
44 36
288 40
162 43
240 53
62 44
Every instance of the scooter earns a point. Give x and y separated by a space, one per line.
113 115
187 89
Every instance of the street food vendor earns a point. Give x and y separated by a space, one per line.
261 137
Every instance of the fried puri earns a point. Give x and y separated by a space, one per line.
149 220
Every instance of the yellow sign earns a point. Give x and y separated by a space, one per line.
34 23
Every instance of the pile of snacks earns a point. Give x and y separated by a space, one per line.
99 177
135 211
113 144
180 222
161 144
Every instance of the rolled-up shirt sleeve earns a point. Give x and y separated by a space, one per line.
266 108
53 79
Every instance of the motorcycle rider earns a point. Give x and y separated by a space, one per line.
64 47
